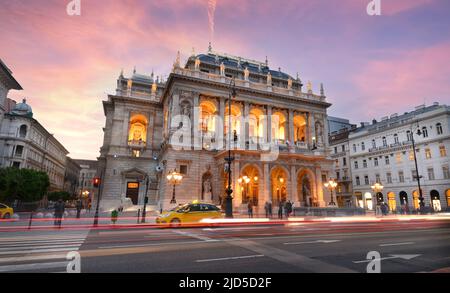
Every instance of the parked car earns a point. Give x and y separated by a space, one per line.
6 212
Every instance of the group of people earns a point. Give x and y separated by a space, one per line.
285 209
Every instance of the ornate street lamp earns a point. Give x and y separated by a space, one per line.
421 199
174 178
229 159
331 185
377 188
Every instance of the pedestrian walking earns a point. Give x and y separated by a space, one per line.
114 216
266 209
79 207
270 209
250 209
59 212
280 210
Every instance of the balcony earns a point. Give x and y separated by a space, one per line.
247 84
137 144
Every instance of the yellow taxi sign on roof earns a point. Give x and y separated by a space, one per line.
195 201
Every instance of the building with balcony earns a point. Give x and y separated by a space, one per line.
85 188
277 133
382 152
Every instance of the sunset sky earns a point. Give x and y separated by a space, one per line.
371 66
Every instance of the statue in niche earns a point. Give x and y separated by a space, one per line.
301 134
306 190
207 189
246 73
186 109
222 69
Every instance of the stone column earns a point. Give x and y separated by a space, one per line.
312 129
291 130
237 194
319 188
294 189
244 128
266 183
195 121
269 123
221 132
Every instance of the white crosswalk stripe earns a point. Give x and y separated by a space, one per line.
35 254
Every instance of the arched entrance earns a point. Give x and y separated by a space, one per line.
403 198
249 183
278 178
435 200
392 202
305 188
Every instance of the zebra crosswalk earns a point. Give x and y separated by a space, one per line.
38 253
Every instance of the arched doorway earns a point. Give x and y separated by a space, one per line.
392 202
278 180
369 201
403 198
305 188
249 183
435 200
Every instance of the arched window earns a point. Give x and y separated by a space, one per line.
278 126
299 128
235 120
23 131
439 128
137 134
256 123
207 117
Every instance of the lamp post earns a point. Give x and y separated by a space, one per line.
174 178
144 211
421 199
229 159
377 188
331 185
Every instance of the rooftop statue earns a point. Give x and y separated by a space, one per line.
222 69
246 73
269 79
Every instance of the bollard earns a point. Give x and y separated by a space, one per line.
139 212
31 220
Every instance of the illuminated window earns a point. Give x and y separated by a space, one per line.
427 153
207 117
398 158
411 155
235 120
136 153
256 123
442 151
137 134
278 126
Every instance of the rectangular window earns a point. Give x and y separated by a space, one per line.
343 148
19 151
377 178
375 162
389 178
401 177
364 163
366 180
358 182
414 175
442 151
363 146
344 162
136 153
338 175
411 155
386 160
335 150
430 173
337 163
354 148
446 172
183 169
427 153
356 164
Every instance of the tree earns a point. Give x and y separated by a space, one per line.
23 184
56 195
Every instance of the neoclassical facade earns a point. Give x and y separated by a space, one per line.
277 134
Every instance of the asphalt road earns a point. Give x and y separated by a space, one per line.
404 246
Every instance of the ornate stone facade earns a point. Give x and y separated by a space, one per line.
154 127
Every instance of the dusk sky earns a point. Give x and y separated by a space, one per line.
371 66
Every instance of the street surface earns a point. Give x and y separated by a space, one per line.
405 244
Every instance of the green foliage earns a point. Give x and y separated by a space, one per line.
23 184
56 195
